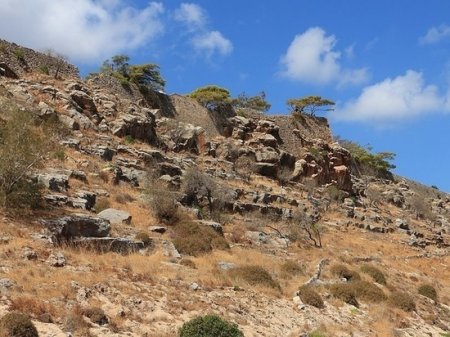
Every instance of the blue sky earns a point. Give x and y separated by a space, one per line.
385 63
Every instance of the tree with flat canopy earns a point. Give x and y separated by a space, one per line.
310 105
211 96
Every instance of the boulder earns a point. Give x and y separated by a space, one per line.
109 244
78 225
115 216
84 101
266 169
267 155
83 199
136 126
217 227
57 182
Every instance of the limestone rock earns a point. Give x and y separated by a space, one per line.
72 226
115 216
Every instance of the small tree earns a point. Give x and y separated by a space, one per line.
310 104
55 61
211 96
148 76
257 102
197 186
310 224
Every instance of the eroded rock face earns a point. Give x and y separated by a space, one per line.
139 126
73 226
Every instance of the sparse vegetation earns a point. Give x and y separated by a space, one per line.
428 290
101 204
257 102
311 297
188 263
19 54
376 274
402 300
162 201
194 239
254 275
345 292
291 268
144 237
16 324
96 315
209 326
358 290
317 333
309 223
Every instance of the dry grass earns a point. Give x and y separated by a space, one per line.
253 276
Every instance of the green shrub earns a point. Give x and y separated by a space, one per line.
335 194
428 291
291 268
59 155
194 239
19 54
254 275
209 326
376 274
342 271
402 300
44 69
317 333
16 324
311 297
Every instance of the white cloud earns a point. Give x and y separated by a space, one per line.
435 35
311 57
190 14
84 30
205 41
392 100
212 42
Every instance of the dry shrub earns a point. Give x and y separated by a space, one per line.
254 275
74 322
16 324
402 300
32 305
367 291
194 239
342 271
311 297
291 268
144 237
375 273
96 315
188 263
162 201
345 292
104 176
429 291
124 198
101 204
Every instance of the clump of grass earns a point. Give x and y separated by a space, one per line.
123 198
143 236
317 333
17 324
311 297
44 69
291 268
254 275
402 300
376 274
188 263
358 290
342 271
194 239
101 204
429 291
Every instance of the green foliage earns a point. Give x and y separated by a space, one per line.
311 297
19 54
402 300
254 275
317 333
257 102
211 96
44 69
209 326
129 139
310 105
16 324
376 274
59 154
335 194
194 239
145 76
377 164
429 291
23 147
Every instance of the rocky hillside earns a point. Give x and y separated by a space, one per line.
155 210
